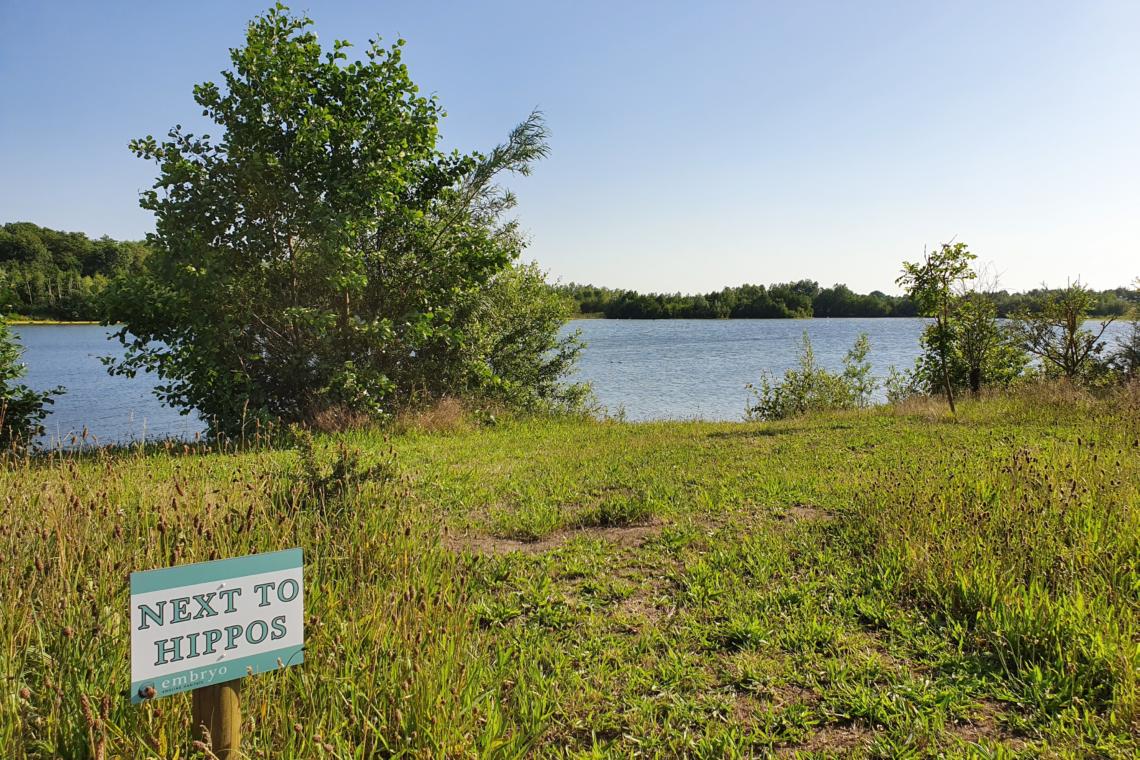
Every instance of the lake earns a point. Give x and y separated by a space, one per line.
652 369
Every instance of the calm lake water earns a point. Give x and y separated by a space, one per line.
115 409
656 369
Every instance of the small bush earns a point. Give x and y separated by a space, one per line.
22 410
1056 335
810 388
1125 357
329 483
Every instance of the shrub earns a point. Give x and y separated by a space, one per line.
22 410
1125 357
1055 334
979 352
512 354
327 483
810 388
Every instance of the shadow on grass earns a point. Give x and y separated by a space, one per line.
771 432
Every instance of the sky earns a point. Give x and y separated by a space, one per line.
693 145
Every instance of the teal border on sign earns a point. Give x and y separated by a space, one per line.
216 570
194 678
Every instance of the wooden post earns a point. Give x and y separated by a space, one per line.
217 709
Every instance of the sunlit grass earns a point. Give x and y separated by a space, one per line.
876 583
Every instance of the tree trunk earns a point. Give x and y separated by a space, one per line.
942 327
975 380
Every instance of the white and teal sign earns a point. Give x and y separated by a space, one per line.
197 625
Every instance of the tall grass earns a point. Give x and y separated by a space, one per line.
391 662
1028 549
875 583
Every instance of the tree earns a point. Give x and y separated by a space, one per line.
319 254
984 352
22 410
1055 332
930 284
60 275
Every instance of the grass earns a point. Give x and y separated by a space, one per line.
885 583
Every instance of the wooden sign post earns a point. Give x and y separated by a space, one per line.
203 627
217 717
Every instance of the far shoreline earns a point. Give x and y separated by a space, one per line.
49 322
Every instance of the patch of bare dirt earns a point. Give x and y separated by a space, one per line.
984 725
807 513
829 739
640 607
477 543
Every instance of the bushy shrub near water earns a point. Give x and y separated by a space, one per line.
1125 358
22 410
328 260
811 388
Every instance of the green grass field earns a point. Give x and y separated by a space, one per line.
887 583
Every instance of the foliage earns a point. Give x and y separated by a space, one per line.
322 252
856 374
901 385
810 388
334 485
1056 335
50 274
780 301
1113 302
804 298
22 410
1125 357
930 283
513 353
981 352
864 584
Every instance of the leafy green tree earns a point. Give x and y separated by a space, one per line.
323 252
1055 333
22 410
981 352
60 275
931 284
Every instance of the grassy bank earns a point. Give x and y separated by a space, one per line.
883 583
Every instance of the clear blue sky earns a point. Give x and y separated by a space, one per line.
695 145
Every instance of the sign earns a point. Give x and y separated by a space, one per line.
204 624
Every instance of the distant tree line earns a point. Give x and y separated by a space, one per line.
49 274
803 299
52 274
